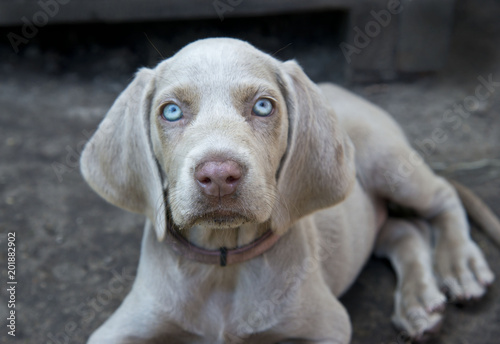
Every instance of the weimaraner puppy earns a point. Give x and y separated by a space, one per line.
265 195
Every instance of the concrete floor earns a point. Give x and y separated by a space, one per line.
72 246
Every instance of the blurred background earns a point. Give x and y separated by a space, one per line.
63 62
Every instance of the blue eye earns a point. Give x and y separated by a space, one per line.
172 112
263 107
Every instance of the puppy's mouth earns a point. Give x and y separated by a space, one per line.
220 219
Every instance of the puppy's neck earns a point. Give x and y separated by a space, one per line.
213 239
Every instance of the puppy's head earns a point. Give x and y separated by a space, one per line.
220 135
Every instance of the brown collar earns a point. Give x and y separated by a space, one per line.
222 256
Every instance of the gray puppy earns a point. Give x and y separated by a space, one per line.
265 195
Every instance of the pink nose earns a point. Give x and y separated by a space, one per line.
218 178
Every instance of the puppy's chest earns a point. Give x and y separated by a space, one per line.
237 302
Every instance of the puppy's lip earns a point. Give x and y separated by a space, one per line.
221 213
221 219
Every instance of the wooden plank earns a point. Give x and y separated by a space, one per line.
372 38
71 11
382 40
425 33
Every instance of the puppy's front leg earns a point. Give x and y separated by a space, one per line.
126 325
319 318
129 324
135 321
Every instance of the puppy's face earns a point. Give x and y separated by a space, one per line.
219 130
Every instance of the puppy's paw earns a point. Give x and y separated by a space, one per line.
418 308
462 270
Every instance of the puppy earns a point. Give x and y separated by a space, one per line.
265 194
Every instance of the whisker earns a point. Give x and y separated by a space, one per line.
281 49
159 53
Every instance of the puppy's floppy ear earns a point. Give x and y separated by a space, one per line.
318 169
118 161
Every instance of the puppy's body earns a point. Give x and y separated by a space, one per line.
268 299
317 170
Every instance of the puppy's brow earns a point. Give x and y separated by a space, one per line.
246 92
185 94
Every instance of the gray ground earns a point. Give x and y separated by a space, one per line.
77 254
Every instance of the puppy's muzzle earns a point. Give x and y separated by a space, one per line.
218 178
